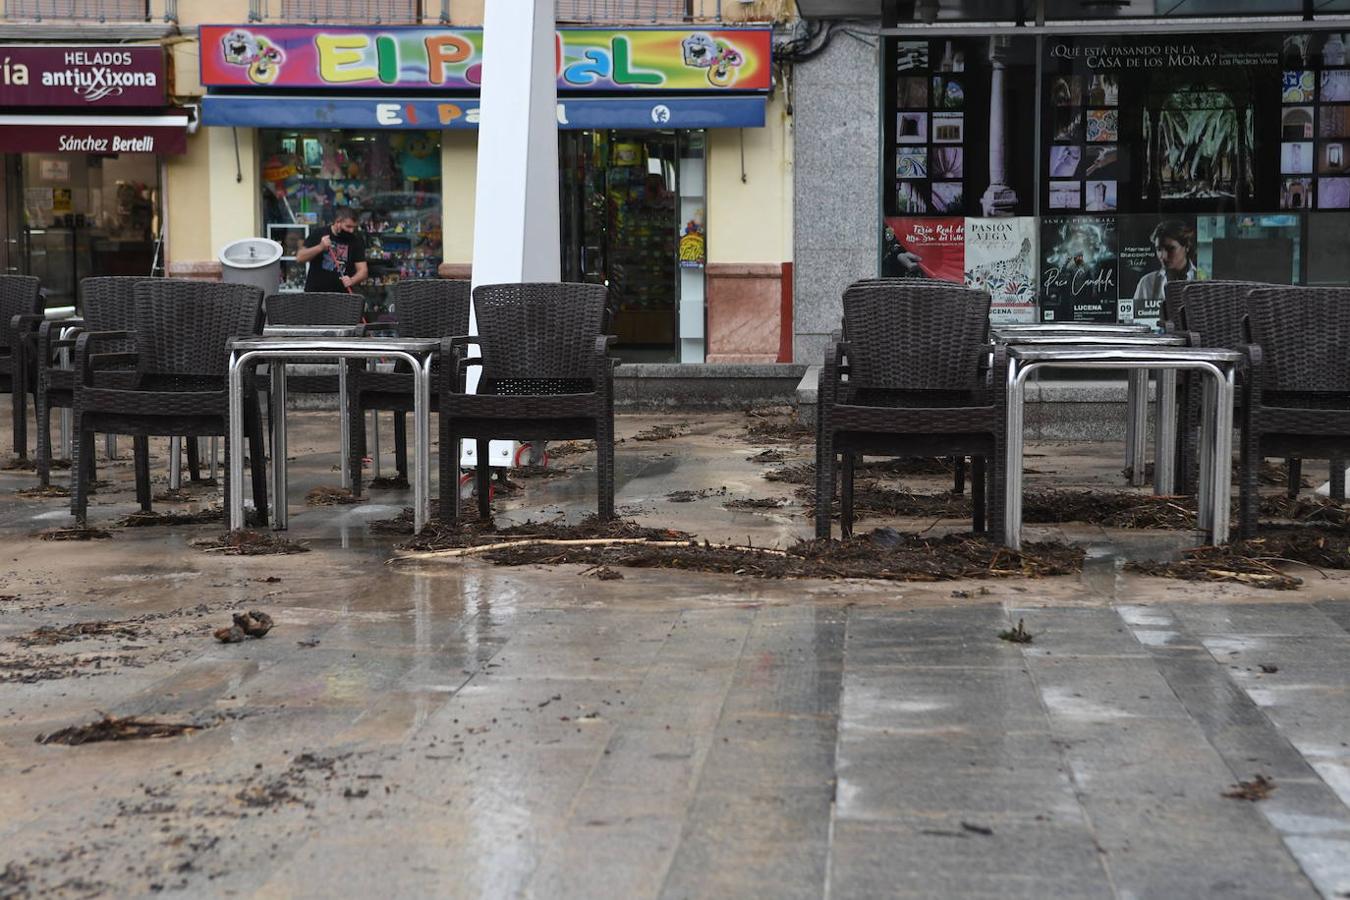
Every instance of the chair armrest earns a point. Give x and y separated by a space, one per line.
26 322
1193 338
1252 368
87 361
603 364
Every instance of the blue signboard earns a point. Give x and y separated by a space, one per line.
419 113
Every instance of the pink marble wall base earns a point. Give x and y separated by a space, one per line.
744 302
197 270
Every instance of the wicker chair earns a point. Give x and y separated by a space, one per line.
1209 314
108 306
432 308
20 315
1297 392
180 335
546 373
313 308
916 385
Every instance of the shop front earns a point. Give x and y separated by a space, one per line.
85 133
349 116
1074 176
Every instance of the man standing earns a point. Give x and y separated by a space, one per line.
336 256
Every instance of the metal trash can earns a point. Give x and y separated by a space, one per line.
255 261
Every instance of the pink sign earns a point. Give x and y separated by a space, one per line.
82 76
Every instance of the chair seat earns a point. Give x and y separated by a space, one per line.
929 420
149 403
545 407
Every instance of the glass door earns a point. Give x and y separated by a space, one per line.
620 218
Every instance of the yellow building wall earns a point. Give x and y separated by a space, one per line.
459 188
750 218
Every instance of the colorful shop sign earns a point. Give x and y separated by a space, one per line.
363 114
85 76
416 57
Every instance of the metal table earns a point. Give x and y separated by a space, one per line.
417 352
1216 421
1136 430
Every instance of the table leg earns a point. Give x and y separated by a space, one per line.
235 500
1165 434
215 452
375 443
110 446
1204 499
1012 499
279 505
422 442
344 436
175 463
1223 455
1138 427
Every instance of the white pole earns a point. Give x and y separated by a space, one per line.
516 220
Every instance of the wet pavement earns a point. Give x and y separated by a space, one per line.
460 729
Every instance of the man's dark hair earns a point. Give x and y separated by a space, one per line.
344 214
1173 229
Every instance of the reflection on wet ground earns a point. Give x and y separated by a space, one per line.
459 729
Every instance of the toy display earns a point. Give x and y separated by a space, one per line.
391 180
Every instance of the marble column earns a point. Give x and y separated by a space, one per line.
999 199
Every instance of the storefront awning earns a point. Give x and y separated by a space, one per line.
164 134
375 113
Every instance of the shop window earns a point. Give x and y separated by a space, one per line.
391 179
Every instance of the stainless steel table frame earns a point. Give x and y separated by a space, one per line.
328 331
1136 423
1216 423
418 353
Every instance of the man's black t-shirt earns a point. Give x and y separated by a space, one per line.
324 275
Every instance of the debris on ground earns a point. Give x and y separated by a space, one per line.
1268 669
49 635
1305 510
570 448
757 503
388 483
767 456
326 495
188 492
689 496
254 623
1259 788
1256 562
893 556
109 728
19 464
49 492
249 543
144 519
662 432
1273 474
604 573
231 634
1018 635
74 533
526 473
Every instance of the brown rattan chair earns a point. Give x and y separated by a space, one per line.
1297 391
958 462
1210 314
912 379
181 387
20 315
545 373
430 308
312 308
108 305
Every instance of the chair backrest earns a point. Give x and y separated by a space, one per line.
1303 333
1214 310
539 331
1171 302
315 308
431 308
19 295
916 339
110 302
182 326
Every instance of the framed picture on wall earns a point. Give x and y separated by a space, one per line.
290 237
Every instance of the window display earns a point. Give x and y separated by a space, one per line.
392 180
1159 158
